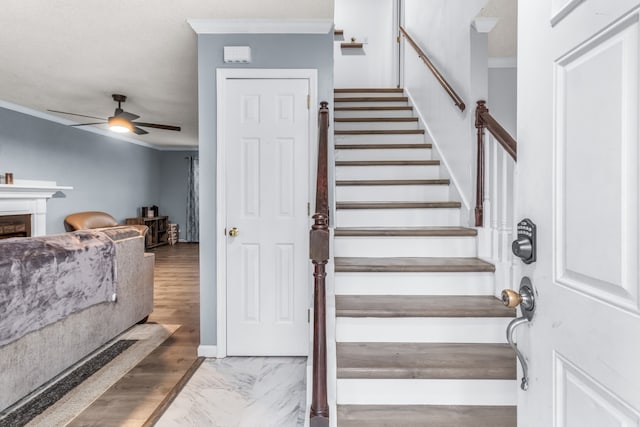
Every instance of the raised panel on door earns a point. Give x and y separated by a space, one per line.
597 167
578 159
267 145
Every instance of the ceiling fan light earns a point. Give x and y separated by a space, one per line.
120 125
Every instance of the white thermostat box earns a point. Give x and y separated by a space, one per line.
237 54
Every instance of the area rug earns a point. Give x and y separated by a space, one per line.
129 349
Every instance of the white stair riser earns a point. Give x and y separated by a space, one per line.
374 125
397 217
338 103
427 392
387 172
401 246
373 113
383 154
392 193
414 283
364 93
413 138
422 329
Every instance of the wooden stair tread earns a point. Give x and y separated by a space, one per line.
411 264
351 45
405 231
398 205
380 132
425 361
374 119
394 182
381 146
421 306
379 108
387 162
372 99
368 89
426 415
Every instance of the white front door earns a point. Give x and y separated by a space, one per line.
578 160
267 192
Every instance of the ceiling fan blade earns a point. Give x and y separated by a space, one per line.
139 131
75 114
87 124
128 116
157 126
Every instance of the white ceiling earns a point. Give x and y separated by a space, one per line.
71 55
504 36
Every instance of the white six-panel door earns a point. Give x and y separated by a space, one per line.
267 186
578 161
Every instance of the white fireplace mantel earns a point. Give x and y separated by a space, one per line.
29 197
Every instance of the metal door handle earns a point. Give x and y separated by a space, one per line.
234 232
525 298
524 384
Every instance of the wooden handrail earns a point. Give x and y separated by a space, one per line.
488 121
485 120
447 87
319 254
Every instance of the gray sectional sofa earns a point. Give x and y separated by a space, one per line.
36 357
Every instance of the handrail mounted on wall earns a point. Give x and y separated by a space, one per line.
443 82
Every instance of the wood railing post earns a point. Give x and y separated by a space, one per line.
479 212
319 254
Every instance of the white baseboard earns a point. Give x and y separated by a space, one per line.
210 351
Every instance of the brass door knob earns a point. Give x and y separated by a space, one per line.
234 232
511 298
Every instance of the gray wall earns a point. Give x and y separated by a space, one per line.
174 186
267 51
106 174
503 97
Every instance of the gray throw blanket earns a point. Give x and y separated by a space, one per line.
44 279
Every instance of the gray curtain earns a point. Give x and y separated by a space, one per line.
193 203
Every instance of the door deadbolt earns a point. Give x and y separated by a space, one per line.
524 247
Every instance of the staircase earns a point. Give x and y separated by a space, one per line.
420 335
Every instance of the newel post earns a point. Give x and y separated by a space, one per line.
479 213
319 254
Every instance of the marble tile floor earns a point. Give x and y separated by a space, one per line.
242 392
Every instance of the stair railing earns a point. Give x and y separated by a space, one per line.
494 213
319 254
443 82
498 165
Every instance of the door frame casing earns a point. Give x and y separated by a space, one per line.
222 76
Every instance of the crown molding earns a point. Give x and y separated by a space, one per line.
484 24
261 26
176 148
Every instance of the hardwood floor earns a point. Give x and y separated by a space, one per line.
139 398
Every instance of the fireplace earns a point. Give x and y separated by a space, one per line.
15 226
23 207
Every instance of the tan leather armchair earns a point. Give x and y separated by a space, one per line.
95 219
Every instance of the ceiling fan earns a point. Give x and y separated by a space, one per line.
121 121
